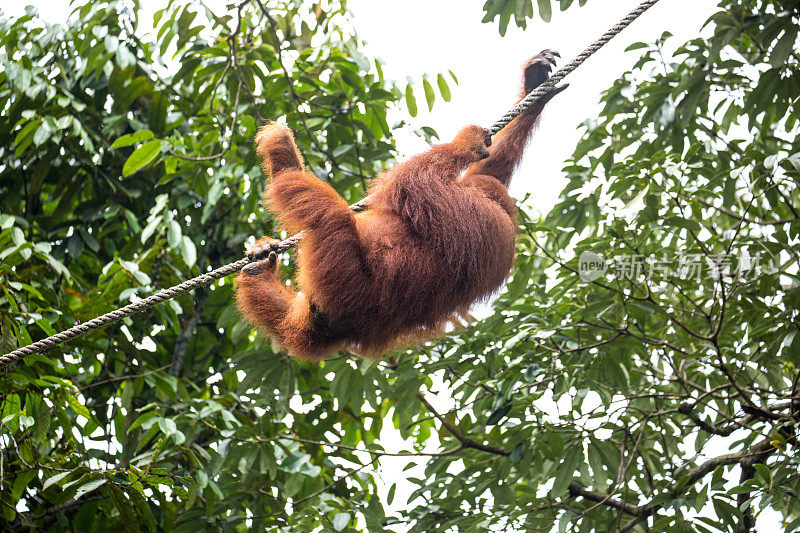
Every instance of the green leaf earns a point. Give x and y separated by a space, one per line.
151 227
132 138
518 452
88 487
498 414
21 482
6 221
505 18
340 521
89 240
174 234
167 426
531 372
188 252
75 245
566 472
41 135
545 10
684 223
25 136
443 88
783 48
411 102
453 75
42 426
17 236
170 165
54 479
141 157
429 94
143 509
158 113
78 407
342 149
127 513
637 46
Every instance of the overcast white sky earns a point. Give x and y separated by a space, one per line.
415 37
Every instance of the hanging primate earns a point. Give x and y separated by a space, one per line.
431 243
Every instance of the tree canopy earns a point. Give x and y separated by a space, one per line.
639 372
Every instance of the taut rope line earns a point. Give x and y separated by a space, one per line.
209 277
561 73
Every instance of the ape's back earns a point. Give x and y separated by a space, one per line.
424 275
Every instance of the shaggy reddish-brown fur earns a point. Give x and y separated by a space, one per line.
431 243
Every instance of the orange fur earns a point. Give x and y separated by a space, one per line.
430 245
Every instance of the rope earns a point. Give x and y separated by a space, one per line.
561 73
210 277
153 300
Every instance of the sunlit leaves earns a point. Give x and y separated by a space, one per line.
545 10
340 521
520 11
444 89
132 138
430 93
411 101
430 96
188 251
141 157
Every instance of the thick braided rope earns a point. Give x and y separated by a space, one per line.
153 300
209 277
561 73
119 314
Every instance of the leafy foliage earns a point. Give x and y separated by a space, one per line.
127 165
635 398
659 390
521 10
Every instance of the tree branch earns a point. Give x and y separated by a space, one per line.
334 482
26 523
757 453
604 499
465 441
